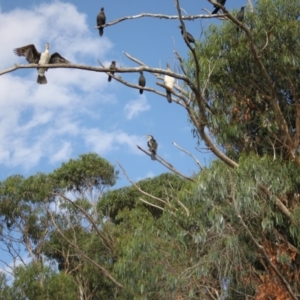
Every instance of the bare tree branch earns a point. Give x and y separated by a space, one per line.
166 164
143 192
190 154
151 204
103 270
181 62
280 205
159 16
201 123
107 243
135 86
96 69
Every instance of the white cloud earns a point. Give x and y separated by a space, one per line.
149 174
103 142
42 121
58 23
135 107
63 154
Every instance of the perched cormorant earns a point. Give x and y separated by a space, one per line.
222 2
152 145
112 67
169 82
35 57
142 81
240 16
101 19
189 37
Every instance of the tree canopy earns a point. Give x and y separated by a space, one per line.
229 232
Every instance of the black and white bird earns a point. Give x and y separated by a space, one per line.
222 2
101 20
152 146
169 83
142 81
35 57
112 67
189 37
240 16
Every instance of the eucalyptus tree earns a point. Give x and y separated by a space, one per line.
49 214
233 231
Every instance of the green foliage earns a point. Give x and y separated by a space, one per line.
27 217
161 186
5 289
20 203
182 250
40 282
242 111
172 255
87 172
201 242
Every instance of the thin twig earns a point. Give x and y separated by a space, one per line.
135 86
103 270
190 154
107 243
166 164
143 192
181 62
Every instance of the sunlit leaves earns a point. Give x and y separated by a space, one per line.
88 172
242 115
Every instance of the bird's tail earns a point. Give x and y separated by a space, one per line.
215 11
109 78
101 31
153 155
169 97
41 79
141 92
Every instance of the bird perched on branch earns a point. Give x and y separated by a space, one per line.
169 82
35 57
112 67
142 81
189 37
152 146
240 16
101 19
222 2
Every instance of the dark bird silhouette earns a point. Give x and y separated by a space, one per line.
35 57
101 19
222 2
169 83
112 67
240 16
142 81
152 146
189 37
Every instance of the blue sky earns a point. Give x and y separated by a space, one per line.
79 111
